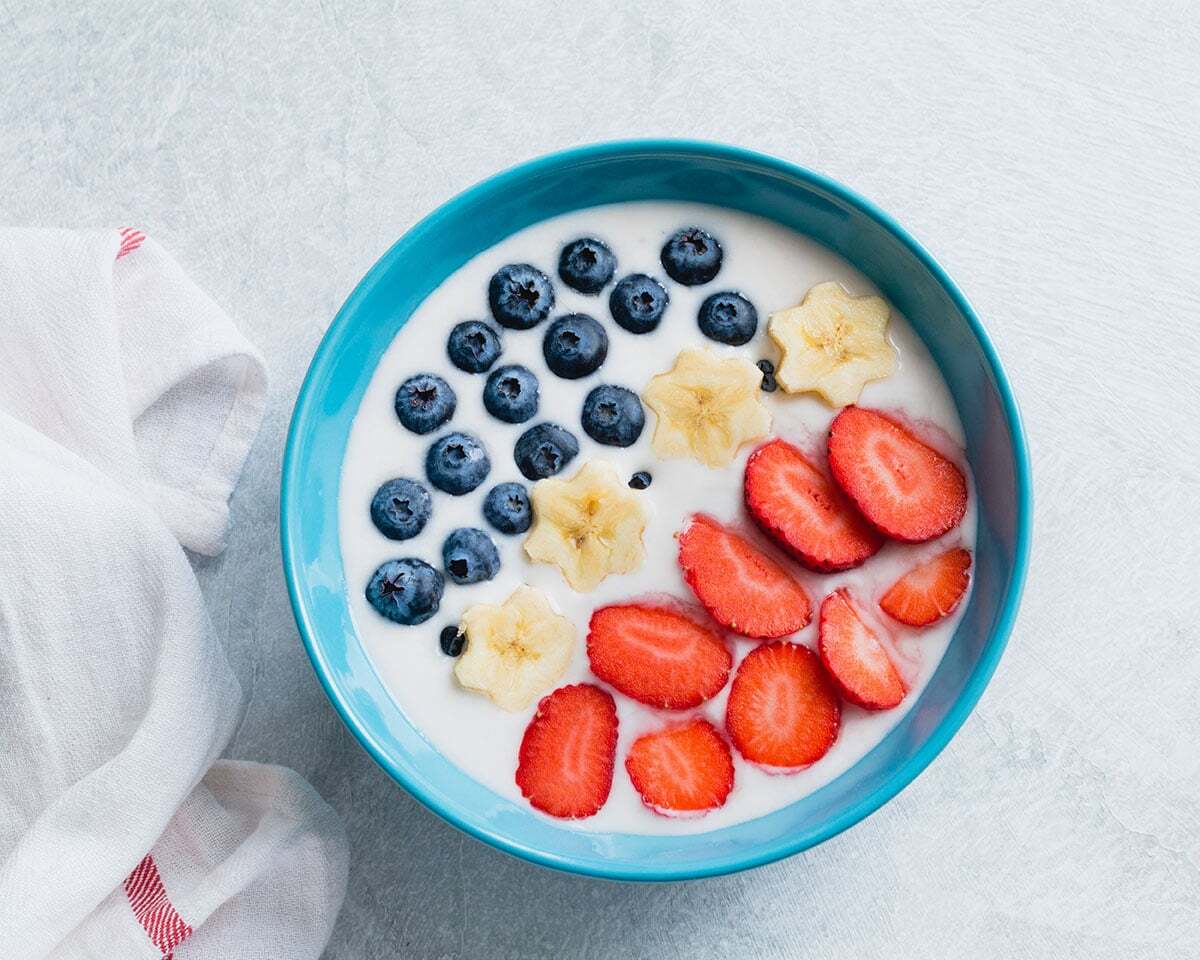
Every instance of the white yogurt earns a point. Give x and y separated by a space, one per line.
771 265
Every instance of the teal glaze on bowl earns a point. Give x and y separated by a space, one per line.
609 173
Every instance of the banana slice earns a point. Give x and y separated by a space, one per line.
589 526
707 406
515 651
832 344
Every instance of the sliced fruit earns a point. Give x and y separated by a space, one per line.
682 769
930 590
707 406
832 344
565 766
741 587
855 656
516 651
783 709
801 509
588 526
905 488
657 655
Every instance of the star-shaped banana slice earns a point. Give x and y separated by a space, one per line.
589 526
832 344
515 651
707 407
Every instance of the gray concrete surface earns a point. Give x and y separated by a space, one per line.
1046 152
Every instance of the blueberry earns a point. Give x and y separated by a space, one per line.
728 317
575 346
640 480
691 256
401 508
637 303
544 449
425 402
511 394
469 556
473 346
613 416
586 265
451 641
506 507
457 463
406 591
769 384
520 295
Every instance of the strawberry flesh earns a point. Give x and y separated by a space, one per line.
682 769
930 590
565 766
905 488
783 709
855 656
657 655
741 587
801 509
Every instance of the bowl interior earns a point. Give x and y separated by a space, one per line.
611 173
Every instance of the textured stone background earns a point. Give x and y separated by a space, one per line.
1045 151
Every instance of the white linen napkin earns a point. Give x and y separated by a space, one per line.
128 402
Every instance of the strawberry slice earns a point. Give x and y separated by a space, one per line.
742 588
565 767
783 709
657 655
906 489
855 656
799 507
930 590
682 769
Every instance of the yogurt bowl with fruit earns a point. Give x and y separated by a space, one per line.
661 533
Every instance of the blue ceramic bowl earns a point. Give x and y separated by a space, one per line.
608 173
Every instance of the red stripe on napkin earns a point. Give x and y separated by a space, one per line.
153 909
131 239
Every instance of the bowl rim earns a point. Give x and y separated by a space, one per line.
977 681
